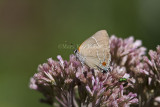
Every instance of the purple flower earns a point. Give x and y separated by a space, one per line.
56 80
72 84
127 53
154 63
151 70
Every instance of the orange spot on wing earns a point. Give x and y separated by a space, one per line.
104 63
79 48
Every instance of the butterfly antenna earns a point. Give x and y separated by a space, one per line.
71 45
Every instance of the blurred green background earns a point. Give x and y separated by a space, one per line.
32 30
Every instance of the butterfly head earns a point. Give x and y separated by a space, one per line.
75 51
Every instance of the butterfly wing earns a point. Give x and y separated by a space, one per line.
96 50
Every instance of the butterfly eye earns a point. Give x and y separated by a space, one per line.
104 63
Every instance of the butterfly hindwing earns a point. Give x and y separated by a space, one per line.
96 50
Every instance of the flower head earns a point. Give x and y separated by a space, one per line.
127 53
60 80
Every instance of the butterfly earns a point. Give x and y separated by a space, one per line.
95 51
